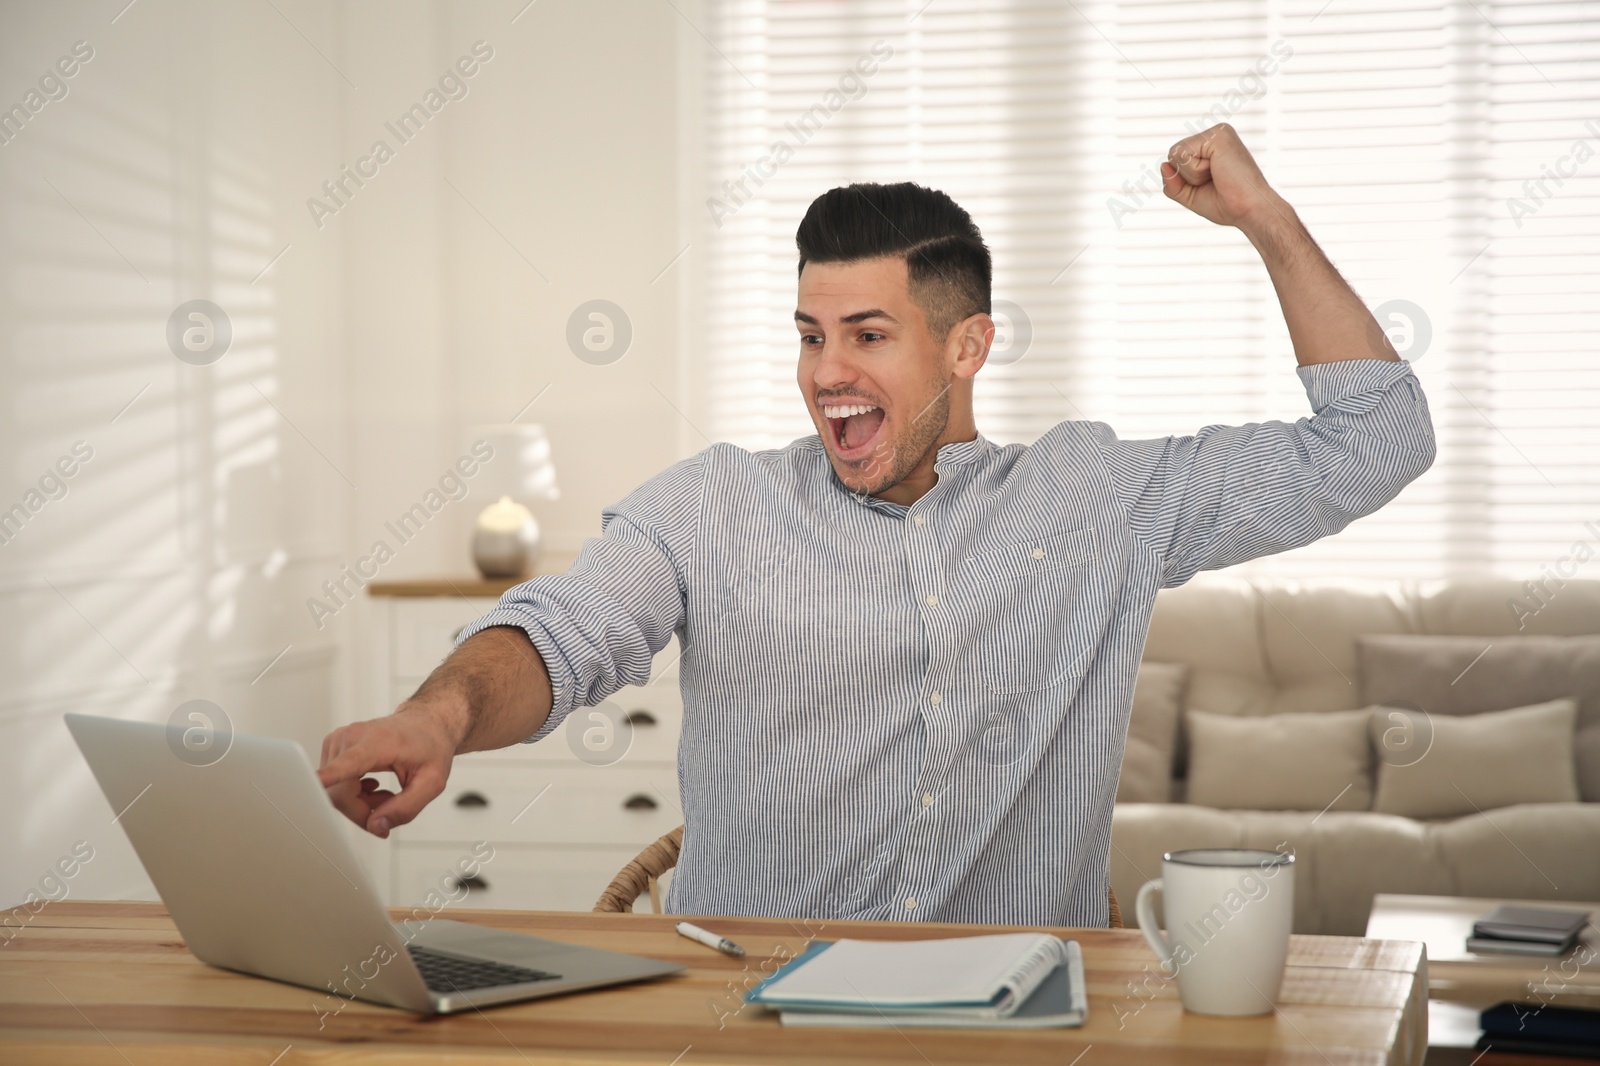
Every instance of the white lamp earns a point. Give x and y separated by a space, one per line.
506 540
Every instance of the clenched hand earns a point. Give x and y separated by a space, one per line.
1213 174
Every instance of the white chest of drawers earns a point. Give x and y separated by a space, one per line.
557 818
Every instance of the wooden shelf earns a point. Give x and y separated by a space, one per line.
470 587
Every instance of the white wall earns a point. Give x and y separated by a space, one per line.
552 183
179 562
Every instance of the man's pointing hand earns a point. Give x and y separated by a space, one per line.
412 743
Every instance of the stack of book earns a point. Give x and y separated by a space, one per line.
1538 1029
1516 930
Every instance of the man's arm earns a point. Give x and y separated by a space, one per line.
492 692
551 644
1231 493
1213 175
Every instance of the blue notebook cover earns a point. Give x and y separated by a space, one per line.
1533 1021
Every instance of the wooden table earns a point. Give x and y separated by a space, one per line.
1461 984
111 983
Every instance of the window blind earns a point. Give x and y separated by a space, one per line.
1441 153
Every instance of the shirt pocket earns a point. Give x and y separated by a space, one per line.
1028 595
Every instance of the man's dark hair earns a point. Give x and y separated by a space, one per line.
947 263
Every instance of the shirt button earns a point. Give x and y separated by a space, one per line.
934 698
927 799
1038 553
918 519
911 904
933 601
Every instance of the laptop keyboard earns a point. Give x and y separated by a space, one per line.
455 973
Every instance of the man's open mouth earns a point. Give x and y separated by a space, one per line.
855 427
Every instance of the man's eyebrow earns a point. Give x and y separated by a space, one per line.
859 316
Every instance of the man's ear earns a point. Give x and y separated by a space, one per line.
967 347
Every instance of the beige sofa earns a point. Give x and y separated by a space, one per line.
1257 649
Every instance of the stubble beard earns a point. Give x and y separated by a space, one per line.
892 461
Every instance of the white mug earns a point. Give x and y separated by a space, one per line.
1228 913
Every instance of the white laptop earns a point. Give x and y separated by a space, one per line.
253 863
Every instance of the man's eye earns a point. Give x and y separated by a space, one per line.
810 338
872 338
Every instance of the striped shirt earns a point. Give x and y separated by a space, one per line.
896 712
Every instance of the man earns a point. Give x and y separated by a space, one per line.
909 654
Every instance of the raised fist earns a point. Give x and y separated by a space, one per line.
1212 174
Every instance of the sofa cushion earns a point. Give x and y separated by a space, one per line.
1479 762
1280 762
1486 606
1538 851
1210 625
1546 851
1308 632
1458 675
1341 858
1152 734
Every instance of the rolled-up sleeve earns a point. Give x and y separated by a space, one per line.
1231 493
599 625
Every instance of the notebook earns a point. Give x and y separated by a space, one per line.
1013 980
1548 925
1493 945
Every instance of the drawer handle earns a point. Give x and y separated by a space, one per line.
473 884
639 802
472 799
640 717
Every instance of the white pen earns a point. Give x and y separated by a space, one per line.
709 939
